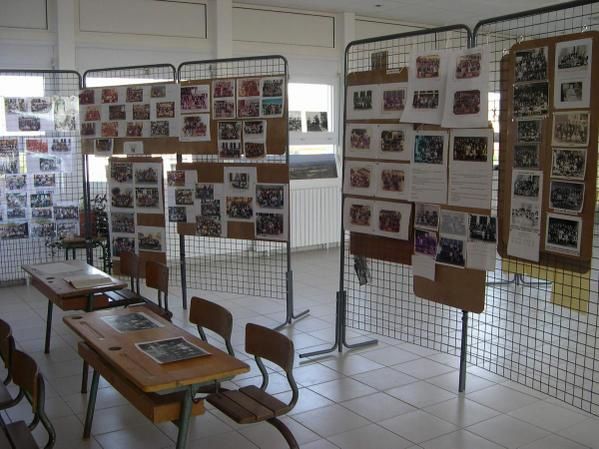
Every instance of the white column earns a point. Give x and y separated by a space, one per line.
220 28
65 32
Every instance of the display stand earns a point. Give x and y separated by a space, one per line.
68 186
238 263
378 61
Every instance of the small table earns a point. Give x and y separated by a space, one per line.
128 363
48 278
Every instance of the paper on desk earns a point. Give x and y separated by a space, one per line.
423 266
56 268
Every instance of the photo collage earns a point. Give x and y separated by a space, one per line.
387 161
562 157
240 198
38 137
135 188
134 112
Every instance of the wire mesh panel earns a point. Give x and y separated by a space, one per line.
64 182
251 267
98 185
386 305
540 324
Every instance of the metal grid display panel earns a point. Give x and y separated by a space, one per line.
386 305
523 334
69 184
250 267
136 75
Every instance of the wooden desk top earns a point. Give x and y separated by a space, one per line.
56 288
120 351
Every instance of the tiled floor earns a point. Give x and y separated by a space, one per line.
390 396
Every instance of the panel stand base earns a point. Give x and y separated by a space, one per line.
290 315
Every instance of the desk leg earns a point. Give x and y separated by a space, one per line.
184 418
48 327
85 373
91 404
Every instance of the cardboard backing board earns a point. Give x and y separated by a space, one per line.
509 138
460 288
214 172
144 256
276 136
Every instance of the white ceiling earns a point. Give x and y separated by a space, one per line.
433 12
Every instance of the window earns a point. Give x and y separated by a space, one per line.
312 126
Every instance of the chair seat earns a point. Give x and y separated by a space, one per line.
248 405
125 295
166 314
20 436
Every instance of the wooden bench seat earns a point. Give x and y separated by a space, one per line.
248 405
20 436
156 407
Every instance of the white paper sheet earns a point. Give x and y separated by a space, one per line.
423 266
56 268
523 244
481 256
429 167
392 219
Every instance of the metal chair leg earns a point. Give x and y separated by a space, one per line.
281 427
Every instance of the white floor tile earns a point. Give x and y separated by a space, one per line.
331 420
418 426
384 378
461 411
421 394
507 431
502 398
378 407
585 433
548 416
343 389
460 439
372 437
423 368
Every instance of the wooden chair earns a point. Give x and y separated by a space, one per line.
206 314
26 376
7 346
252 404
157 278
128 266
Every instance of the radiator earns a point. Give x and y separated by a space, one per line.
315 213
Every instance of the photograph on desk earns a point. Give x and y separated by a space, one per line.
171 350
131 322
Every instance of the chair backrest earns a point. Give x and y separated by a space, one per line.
157 276
26 376
5 334
129 266
206 314
269 344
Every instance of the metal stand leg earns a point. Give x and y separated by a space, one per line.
463 351
290 316
183 270
340 337
91 405
48 327
519 280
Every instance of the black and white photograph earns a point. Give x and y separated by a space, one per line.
295 121
454 223
131 322
525 215
177 214
359 139
378 60
361 269
531 99
239 180
40 105
526 156
121 172
531 65
470 148
210 208
425 242
170 350
466 102
362 100
195 98
563 234
240 208
566 196
571 93
103 147
158 91
41 199
88 129
11 231
210 226
273 87
44 180
526 184
165 109
9 146
223 108
568 163
48 164
429 149
571 129
254 130
204 192
135 94
15 182
427 216
16 213
393 99
160 128
16 200
67 229
270 196
483 228
184 197
393 141
317 121
229 130
122 244
270 226
44 213
122 197
9 165
15 105
150 239
229 148
573 55
148 198
87 96
451 252
29 123
66 111
529 130
41 230
61 145
425 99
122 222
66 212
